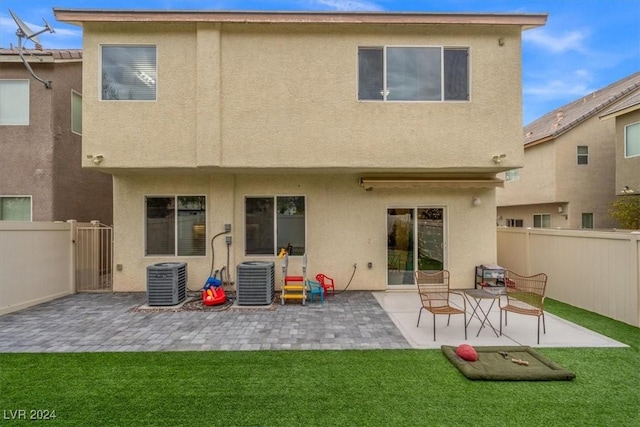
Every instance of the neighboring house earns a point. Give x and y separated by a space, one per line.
41 175
627 122
361 139
569 174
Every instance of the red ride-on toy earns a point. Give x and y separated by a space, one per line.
213 292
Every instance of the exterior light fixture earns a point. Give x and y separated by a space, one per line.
97 158
476 201
498 158
627 190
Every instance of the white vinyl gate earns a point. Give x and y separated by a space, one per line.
94 258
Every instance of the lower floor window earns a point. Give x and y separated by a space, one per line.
587 220
515 222
542 220
273 223
15 208
175 225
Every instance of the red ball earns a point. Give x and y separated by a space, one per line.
467 352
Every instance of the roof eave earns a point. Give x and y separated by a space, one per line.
620 112
79 16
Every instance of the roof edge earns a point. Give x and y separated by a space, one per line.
38 56
620 112
79 16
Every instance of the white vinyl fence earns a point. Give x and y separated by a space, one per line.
36 263
42 261
598 271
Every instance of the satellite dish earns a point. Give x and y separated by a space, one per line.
24 32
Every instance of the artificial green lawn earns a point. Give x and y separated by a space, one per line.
378 387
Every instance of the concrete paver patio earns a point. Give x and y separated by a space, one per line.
350 320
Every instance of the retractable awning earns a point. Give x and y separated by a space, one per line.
372 183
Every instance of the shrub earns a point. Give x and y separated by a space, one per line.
626 210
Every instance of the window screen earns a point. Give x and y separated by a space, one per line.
129 73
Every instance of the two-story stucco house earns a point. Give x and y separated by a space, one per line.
627 121
41 177
368 141
571 171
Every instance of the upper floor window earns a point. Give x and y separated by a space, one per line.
76 112
582 155
129 73
15 208
542 220
273 223
632 140
176 225
413 73
512 175
14 102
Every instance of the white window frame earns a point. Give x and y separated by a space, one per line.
15 196
542 216
580 155
385 90
592 220
75 94
511 222
175 225
626 142
143 75
275 221
25 114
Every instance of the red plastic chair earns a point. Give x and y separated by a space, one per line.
326 283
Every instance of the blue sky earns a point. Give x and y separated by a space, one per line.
586 44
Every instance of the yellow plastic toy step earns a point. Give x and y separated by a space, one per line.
293 296
293 288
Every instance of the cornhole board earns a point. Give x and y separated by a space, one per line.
492 366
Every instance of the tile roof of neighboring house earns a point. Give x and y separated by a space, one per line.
557 122
41 55
631 103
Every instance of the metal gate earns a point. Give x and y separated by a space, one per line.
94 258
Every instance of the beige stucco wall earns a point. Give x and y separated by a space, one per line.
537 181
272 109
526 213
285 96
345 225
588 188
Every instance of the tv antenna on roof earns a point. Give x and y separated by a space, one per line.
24 32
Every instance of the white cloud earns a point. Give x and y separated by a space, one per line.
572 40
348 5
561 87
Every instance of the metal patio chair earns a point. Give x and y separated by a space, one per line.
435 296
524 295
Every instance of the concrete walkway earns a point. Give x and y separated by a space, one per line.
351 320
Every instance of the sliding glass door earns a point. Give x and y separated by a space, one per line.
415 241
